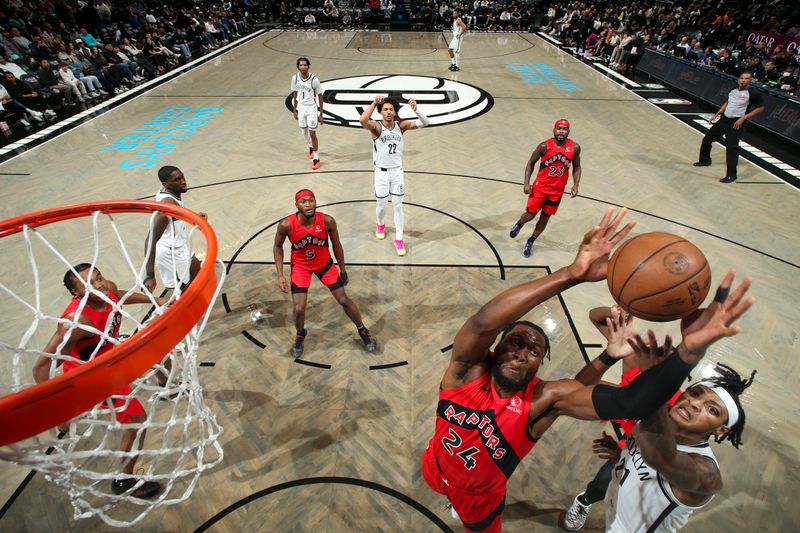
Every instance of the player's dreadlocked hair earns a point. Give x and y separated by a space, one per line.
731 381
511 326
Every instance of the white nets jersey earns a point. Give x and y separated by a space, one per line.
388 147
640 499
175 234
307 89
456 28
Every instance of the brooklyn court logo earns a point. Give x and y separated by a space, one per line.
443 101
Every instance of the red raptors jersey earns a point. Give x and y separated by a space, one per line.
480 438
309 245
554 167
84 348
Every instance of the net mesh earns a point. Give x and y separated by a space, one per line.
176 438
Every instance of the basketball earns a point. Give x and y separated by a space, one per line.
658 276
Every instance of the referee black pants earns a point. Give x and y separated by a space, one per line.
724 126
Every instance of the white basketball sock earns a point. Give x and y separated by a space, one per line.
380 211
456 57
397 205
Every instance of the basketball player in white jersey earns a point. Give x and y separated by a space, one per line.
170 249
667 469
387 156
307 107
454 48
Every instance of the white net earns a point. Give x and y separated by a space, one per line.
109 458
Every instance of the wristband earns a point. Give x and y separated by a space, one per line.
607 359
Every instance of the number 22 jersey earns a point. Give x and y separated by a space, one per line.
480 438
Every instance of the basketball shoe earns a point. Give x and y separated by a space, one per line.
369 341
145 491
310 152
527 250
315 164
575 518
401 247
380 231
515 229
297 347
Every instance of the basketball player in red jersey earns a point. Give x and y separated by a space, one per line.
308 231
492 408
545 194
84 345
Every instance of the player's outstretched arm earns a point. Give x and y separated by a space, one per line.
474 339
366 117
412 124
277 252
41 369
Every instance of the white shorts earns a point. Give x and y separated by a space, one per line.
455 44
389 181
173 265
307 116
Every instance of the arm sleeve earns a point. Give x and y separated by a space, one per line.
645 394
422 120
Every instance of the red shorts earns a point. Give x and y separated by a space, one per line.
478 512
124 414
328 275
546 202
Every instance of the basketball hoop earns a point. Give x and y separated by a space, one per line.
165 342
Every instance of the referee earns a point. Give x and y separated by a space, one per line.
743 103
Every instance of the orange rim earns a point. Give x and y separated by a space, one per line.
45 405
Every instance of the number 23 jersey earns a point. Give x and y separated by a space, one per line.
554 167
480 438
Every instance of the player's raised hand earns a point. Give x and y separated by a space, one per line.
412 104
620 329
591 261
649 353
378 99
706 326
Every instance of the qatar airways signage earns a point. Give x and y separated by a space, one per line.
789 42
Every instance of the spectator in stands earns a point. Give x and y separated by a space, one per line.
10 66
9 46
23 93
54 86
682 48
310 21
72 84
788 79
504 19
25 113
88 39
770 74
22 42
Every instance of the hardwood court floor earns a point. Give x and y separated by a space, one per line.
299 430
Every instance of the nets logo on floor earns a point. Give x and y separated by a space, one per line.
443 101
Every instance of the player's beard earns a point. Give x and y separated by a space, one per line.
509 384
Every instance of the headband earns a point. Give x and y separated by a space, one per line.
561 122
727 399
302 193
